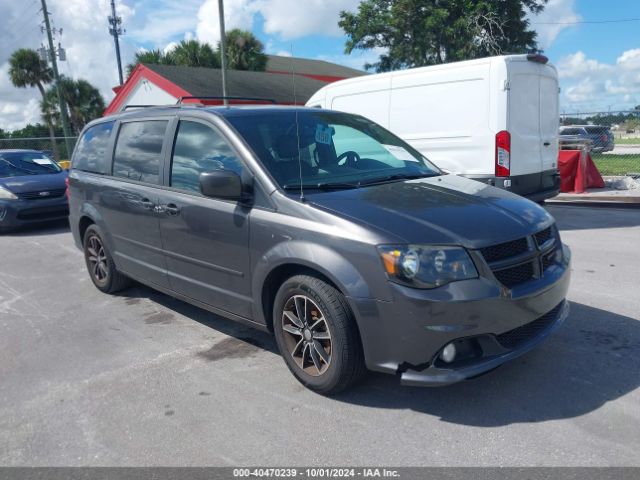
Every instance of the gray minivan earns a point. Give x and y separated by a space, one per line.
323 228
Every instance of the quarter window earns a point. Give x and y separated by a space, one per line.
137 155
91 151
197 149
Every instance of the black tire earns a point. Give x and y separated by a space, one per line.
327 310
100 266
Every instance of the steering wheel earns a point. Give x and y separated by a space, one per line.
348 158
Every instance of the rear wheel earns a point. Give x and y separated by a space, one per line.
100 265
317 335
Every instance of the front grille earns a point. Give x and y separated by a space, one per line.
543 236
505 250
38 195
43 213
518 336
548 260
512 276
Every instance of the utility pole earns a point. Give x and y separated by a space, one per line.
223 52
116 30
54 64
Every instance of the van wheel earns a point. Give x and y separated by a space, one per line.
100 265
317 335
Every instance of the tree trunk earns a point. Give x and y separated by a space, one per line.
52 133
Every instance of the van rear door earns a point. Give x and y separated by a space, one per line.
533 119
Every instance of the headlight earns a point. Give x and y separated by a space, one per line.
6 194
423 266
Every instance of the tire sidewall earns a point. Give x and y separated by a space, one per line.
331 377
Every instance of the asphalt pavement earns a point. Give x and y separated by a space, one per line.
143 379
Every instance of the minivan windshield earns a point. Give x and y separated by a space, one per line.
18 164
328 150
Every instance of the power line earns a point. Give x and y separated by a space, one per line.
581 22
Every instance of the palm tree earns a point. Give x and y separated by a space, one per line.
244 51
192 53
155 57
27 69
83 101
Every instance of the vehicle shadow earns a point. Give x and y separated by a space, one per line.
592 359
586 218
45 228
242 333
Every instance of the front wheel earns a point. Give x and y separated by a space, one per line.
317 335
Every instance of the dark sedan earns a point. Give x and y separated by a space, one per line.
32 189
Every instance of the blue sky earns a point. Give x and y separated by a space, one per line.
598 64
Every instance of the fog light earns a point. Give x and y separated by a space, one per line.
448 353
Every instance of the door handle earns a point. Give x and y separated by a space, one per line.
546 144
147 204
171 209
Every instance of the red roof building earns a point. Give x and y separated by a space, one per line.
165 84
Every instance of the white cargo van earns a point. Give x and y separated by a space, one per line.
493 119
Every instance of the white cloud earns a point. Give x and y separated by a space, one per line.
592 85
237 14
553 19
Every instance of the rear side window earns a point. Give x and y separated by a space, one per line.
198 148
91 151
571 131
138 148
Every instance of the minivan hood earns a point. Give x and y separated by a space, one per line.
439 210
32 183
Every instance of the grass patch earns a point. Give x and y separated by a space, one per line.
616 164
627 141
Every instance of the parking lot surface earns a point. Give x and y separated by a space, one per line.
143 379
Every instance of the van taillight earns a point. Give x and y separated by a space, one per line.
66 192
503 154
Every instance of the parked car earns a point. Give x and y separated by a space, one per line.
325 229
32 189
493 119
600 138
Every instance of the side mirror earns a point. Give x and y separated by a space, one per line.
223 184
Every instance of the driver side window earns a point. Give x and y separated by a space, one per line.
197 149
349 139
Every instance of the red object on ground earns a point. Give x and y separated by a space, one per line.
577 172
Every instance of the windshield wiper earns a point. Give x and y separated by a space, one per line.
320 186
30 172
397 176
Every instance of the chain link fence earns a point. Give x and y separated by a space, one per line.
56 149
612 139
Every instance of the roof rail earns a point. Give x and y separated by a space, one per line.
198 97
127 107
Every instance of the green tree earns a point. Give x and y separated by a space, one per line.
244 51
155 57
27 69
415 33
83 101
192 53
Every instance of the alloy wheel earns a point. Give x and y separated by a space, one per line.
306 335
97 259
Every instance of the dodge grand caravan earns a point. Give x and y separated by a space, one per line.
325 229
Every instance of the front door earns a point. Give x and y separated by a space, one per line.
205 240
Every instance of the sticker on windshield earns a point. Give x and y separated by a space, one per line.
323 134
400 153
42 161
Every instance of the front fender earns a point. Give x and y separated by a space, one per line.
326 261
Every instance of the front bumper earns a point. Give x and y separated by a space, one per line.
406 335
18 213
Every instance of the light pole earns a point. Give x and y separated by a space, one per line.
223 52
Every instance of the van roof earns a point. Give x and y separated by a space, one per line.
441 66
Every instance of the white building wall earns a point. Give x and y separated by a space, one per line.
147 93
